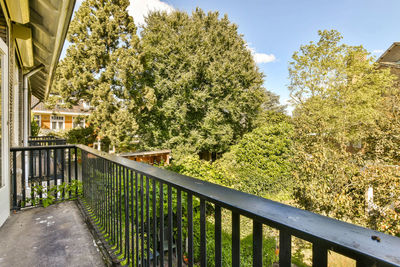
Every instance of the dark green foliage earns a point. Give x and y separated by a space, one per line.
35 128
98 67
260 163
85 136
204 89
246 247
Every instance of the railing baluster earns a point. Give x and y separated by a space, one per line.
120 208
217 237
179 225
170 226
48 173
190 228
40 177
235 239
148 219
320 255
113 204
366 262
154 223
23 204
137 217
108 214
55 172
142 217
95 187
257 244
285 249
76 170
126 197
161 224
14 180
31 177
101 190
203 247
69 172
105 195
132 216
62 172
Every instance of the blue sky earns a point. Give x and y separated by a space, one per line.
275 29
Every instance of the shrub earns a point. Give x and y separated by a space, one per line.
246 247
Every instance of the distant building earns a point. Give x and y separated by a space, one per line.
391 59
149 157
60 118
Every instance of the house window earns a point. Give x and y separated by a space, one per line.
57 122
78 122
37 118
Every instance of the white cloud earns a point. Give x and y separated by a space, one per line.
263 58
260 58
378 51
139 9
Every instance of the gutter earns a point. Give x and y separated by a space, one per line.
26 102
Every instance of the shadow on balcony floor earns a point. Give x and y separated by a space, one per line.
52 236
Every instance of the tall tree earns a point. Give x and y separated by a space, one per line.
99 60
203 89
338 92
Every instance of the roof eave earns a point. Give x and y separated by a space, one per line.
65 19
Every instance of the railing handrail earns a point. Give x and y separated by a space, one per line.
30 148
348 239
43 137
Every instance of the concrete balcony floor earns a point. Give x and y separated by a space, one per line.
52 236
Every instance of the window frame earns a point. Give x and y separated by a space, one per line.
57 120
38 120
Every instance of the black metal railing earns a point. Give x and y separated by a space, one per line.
138 206
43 173
48 137
46 141
149 216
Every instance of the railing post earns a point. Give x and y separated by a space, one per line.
257 244
319 255
14 180
285 249
190 228
76 171
203 238
235 239
217 237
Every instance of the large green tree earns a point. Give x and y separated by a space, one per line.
338 93
203 89
99 67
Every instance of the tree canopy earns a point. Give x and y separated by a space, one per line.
338 92
98 62
204 90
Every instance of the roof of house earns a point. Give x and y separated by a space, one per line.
145 153
49 22
391 57
40 30
80 109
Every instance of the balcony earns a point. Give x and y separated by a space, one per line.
143 215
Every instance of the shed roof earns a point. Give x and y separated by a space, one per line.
145 153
